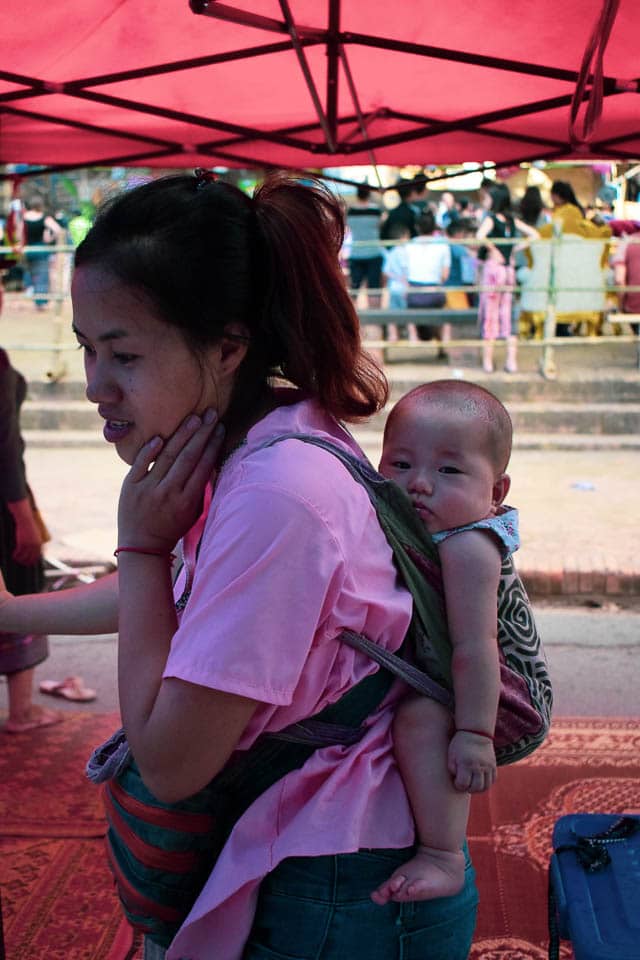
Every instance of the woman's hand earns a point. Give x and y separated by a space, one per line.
5 597
28 540
161 497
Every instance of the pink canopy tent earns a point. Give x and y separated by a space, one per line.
315 83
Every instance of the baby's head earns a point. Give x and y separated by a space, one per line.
447 444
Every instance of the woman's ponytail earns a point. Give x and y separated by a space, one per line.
307 323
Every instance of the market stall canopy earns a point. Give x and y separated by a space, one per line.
315 83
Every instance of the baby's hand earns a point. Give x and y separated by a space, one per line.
472 762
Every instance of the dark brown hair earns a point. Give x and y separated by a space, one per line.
206 255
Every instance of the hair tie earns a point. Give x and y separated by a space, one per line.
204 177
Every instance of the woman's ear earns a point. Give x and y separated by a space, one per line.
500 489
233 347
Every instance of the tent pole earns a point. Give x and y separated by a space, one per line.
306 73
333 54
358 109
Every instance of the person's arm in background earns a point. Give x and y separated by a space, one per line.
89 609
446 264
53 230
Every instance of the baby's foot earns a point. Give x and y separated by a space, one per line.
431 873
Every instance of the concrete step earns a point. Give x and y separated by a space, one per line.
521 388
564 418
58 415
590 385
553 418
369 440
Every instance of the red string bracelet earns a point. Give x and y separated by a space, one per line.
148 551
478 733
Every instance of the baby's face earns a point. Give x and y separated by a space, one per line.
439 458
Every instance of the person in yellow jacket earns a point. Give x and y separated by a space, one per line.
568 218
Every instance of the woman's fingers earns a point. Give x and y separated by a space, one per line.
182 451
206 463
145 457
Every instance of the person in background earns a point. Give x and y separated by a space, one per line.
395 271
40 229
568 218
21 539
532 210
365 255
626 267
495 313
447 212
404 215
428 263
463 264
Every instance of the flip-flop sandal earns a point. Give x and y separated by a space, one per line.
71 688
41 718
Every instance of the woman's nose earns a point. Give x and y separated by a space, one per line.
100 387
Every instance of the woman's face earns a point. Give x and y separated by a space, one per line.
140 371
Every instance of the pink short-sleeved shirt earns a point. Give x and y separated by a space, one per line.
291 554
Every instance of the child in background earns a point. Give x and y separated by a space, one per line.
447 444
463 264
394 268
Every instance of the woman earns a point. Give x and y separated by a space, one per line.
189 297
499 230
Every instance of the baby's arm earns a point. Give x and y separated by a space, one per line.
88 609
471 565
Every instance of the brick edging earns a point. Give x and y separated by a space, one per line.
561 583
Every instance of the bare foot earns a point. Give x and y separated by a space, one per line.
37 717
431 873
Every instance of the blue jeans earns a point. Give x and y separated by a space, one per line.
38 277
319 908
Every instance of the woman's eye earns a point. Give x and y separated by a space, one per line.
125 358
86 349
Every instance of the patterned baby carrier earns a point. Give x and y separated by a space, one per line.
161 854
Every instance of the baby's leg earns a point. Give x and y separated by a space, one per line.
421 736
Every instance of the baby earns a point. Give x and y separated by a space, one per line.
447 444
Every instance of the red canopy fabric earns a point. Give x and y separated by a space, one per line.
309 83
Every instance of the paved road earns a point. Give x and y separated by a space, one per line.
594 660
578 508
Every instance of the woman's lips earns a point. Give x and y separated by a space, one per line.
115 430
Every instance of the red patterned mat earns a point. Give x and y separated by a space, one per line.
43 789
587 766
59 902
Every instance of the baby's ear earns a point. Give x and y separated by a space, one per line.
500 489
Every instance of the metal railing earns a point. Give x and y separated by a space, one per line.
381 316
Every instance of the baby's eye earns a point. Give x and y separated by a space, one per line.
449 469
401 464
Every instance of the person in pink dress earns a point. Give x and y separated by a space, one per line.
193 304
